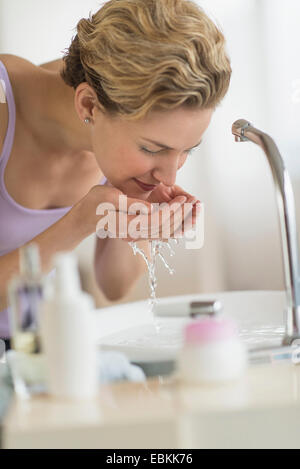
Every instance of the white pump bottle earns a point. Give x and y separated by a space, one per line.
68 334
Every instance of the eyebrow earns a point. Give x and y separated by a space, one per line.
166 147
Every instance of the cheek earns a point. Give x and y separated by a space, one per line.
121 160
182 161
132 162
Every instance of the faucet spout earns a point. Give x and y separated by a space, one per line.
244 131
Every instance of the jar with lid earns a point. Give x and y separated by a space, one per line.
212 352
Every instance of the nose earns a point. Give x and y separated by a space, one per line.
166 170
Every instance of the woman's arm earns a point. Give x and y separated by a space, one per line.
64 235
117 269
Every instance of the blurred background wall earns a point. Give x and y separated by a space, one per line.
242 246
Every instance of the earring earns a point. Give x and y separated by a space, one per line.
87 120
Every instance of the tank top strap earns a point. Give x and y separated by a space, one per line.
6 95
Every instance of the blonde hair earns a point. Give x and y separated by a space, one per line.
143 55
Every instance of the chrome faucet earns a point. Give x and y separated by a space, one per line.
243 132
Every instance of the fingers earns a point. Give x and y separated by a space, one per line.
167 221
168 214
189 221
135 219
157 225
184 222
177 190
196 211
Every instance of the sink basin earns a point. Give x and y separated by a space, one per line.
153 342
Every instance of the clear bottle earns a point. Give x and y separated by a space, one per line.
68 334
25 293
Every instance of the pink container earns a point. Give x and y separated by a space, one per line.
210 330
212 352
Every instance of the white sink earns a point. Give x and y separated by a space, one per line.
131 329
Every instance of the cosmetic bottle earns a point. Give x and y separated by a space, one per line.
212 352
25 292
68 334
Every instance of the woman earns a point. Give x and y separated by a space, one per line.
132 96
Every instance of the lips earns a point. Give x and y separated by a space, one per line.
145 187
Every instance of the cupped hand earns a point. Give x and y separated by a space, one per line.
166 194
176 213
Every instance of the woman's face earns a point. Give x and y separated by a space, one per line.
150 150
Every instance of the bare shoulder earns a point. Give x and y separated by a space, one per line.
6 59
28 79
29 82
15 64
19 64
21 73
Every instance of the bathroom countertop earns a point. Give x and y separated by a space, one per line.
261 410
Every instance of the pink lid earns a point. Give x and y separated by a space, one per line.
210 329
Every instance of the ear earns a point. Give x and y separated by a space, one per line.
86 102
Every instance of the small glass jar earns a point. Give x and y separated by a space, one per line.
212 352
25 293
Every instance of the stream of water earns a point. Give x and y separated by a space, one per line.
155 252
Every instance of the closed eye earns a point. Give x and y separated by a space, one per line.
149 152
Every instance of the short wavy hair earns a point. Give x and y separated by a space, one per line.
144 55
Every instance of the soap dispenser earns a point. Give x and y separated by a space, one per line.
68 334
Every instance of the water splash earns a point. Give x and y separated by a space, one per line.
156 247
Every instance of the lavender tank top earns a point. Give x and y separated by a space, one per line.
18 224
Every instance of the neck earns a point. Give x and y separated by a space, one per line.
62 128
